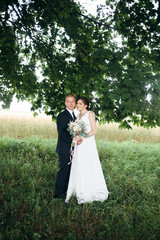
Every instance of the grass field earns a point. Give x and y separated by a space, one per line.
22 125
28 168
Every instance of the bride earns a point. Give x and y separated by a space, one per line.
86 180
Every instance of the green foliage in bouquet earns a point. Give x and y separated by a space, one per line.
77 129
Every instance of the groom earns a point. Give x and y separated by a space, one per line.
64 146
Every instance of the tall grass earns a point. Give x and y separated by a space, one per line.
25 125
22 125
28 169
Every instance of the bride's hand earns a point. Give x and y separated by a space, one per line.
76 138
79 141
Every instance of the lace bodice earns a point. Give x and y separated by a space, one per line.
85 119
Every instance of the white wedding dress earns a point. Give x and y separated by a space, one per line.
86 180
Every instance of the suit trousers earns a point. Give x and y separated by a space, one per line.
62 178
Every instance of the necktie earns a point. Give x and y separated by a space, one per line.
74 117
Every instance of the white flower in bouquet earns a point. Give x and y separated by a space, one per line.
77 129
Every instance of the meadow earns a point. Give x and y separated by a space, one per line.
22 125
28 167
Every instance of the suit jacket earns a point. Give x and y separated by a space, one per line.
64 138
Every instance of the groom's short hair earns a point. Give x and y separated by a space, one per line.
69 95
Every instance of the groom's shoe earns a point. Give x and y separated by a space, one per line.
60 196
63 196
55 196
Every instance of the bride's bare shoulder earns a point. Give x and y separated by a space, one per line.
92 114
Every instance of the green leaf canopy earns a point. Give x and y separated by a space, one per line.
78 53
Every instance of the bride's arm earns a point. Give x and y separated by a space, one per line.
92 123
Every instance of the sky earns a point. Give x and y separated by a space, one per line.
90 6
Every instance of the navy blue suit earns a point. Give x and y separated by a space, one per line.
63 150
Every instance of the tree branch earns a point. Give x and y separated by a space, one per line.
63 25
100 23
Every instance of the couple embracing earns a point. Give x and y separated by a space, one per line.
82 178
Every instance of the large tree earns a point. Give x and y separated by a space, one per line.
78 53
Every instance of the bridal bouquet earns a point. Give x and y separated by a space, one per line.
77 129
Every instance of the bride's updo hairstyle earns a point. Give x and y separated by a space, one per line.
85 100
